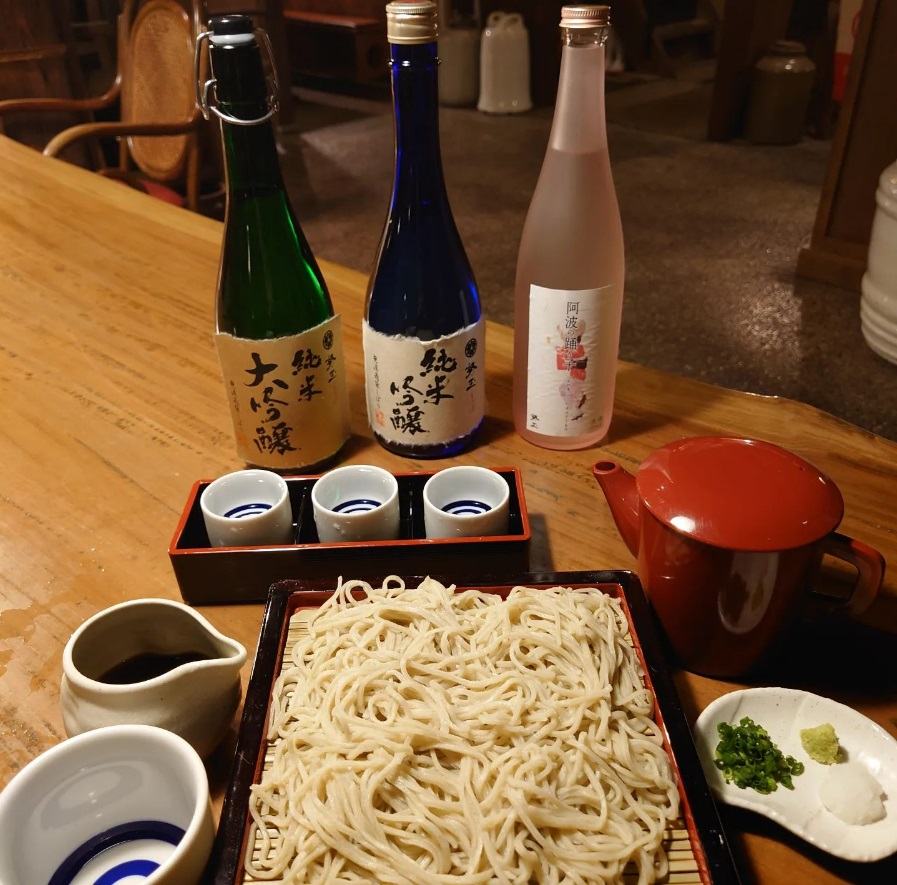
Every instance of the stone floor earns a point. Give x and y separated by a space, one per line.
712 234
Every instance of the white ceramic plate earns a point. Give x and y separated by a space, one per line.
783 712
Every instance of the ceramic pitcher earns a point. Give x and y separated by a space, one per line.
195 698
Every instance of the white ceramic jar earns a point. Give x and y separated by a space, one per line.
459 54
504 65
878 306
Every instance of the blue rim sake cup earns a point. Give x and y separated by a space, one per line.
247 508
466 502
358 502
126 803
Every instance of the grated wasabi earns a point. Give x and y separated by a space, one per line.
821 743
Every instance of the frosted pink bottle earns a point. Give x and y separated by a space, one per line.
569 287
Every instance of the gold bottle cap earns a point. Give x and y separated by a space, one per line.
584 16
411 22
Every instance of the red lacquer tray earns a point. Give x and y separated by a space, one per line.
225 575
711 859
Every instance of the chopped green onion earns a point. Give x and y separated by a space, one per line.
747 757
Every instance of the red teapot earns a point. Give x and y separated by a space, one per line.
729 534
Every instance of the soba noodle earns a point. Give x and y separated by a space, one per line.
426 736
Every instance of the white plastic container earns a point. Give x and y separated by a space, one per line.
459 52
878 306
504 65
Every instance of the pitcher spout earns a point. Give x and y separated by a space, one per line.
622 498
229 656
172 668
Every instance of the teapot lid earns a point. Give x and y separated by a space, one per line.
740 494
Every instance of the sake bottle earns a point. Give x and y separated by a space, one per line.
278 339
423 332
569 286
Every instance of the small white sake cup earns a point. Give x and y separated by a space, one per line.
356 503
466 502
121 803
247 508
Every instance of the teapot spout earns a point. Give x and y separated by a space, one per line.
619 489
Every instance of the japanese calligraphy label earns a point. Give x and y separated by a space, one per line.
423 393
287 395
572 359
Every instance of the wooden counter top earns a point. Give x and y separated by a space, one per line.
113 406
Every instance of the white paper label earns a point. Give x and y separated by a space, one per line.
287 395
573 340
424 393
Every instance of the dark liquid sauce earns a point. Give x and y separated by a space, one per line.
148 666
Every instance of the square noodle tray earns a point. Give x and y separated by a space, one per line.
697 845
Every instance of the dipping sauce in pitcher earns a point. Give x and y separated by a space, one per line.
149 665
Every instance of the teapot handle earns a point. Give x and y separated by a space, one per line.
868 562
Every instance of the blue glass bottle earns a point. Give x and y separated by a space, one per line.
425 381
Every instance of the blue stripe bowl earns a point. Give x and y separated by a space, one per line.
125 804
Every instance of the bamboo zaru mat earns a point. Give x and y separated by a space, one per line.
683 870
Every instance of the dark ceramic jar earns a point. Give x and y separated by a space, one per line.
781 84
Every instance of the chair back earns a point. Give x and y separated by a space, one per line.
156 49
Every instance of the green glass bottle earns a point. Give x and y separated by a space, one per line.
278 338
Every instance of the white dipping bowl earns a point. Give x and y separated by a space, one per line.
128 802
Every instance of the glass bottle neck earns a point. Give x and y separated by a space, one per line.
250 152
413 71
579 124
596 36
251 162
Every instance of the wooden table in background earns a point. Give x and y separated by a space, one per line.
112 405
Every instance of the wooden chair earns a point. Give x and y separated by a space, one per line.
160 129
38 58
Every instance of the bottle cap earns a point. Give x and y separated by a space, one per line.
228 30
585 16
411 22
231 24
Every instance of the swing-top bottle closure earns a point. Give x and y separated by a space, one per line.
411 23
233 30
